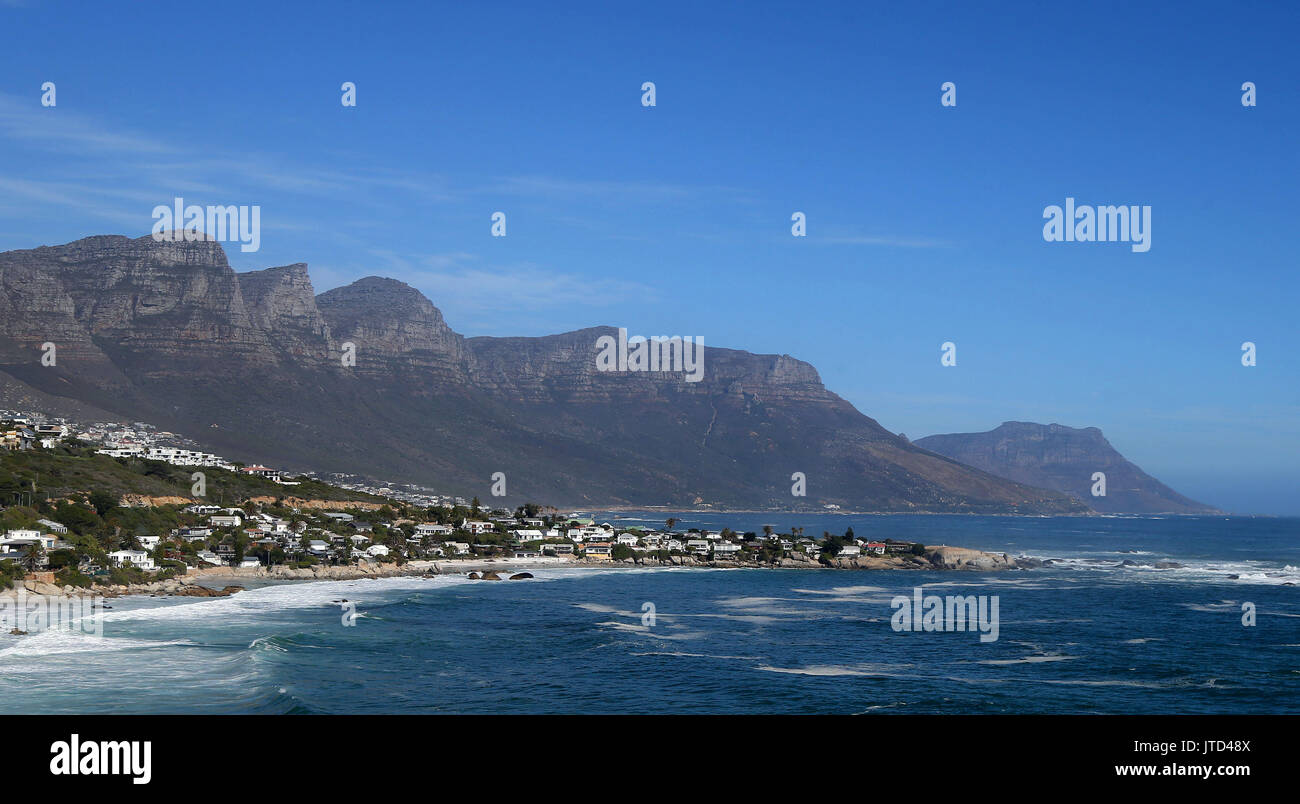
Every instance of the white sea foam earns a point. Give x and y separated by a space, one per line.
657 631
1029 660
844 591
62 641
898 671
278 597
889 670
1190 571
683 654
601 608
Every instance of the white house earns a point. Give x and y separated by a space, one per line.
54 527
149 542
377 550
225 521
18 539
138 558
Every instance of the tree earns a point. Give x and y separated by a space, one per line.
241 543
62 558
671 522
102 502
76 515
832 545
33 556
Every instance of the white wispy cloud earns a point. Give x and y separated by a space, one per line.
59 129
84 200
555 187
493 298
896 242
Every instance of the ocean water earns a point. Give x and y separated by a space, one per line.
1086 634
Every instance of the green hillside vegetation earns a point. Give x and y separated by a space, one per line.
73 468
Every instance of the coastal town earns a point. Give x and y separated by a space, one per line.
91 539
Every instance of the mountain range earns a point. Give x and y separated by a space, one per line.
256 366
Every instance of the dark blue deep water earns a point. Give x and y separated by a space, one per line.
1085 634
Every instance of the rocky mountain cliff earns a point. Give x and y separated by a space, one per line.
256 366
1064 458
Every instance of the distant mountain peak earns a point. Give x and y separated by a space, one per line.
1063 458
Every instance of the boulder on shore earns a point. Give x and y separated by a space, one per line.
490 575
43 588
945 557
203 591
519 576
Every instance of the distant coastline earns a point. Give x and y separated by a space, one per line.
626 509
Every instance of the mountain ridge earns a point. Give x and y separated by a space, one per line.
254 364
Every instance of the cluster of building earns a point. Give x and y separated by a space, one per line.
408 493
339 537
335 536
15 543
139 440
31 429
16 546
23 433
47 430
579 536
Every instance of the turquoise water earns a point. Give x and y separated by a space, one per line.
1087 633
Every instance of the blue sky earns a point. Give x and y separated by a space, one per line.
924 222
